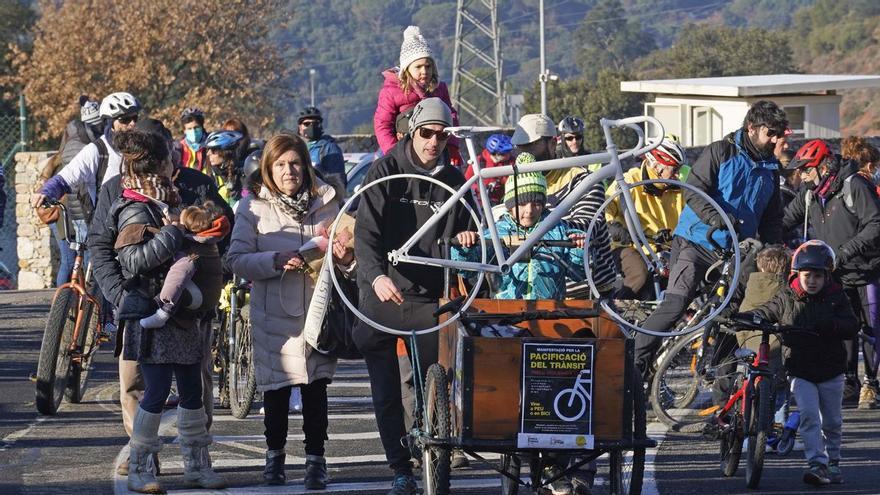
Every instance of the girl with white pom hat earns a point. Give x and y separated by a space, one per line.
404 86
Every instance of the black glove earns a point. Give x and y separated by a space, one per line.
618 233
718 222
844 254
663 237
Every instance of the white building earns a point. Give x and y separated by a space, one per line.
703 110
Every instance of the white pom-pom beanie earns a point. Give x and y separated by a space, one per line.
414 47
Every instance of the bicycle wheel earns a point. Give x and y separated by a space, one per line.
628 465
609 306
474 291
732 438
53 368
512 465
760 426
436 459
221 358
242 384
677 389
85 340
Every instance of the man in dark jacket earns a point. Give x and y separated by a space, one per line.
405 295
194 188
741 173
841 208
326 155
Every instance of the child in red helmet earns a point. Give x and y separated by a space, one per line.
816 362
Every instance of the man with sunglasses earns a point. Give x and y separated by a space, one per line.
405 295
571 137
741 173
98 161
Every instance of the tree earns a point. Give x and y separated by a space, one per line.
609 41
590 100
170 54
713 51
16 19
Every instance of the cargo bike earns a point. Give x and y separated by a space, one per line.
492 393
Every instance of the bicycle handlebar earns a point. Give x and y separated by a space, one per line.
742 323
453 241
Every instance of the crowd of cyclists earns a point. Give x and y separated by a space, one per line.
168 221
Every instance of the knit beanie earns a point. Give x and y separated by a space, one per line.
530 186
430 111
89 111
414 47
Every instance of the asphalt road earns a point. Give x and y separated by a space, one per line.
76 450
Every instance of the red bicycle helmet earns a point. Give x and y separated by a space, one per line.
811 154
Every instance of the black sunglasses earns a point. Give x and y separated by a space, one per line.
426 133
576 137
127 119
775 132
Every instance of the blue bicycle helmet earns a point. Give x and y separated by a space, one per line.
499 143
223 140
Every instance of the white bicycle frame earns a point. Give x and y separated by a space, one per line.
612 170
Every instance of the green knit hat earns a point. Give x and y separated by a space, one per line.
530 186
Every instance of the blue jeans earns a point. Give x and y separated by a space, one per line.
66 255
157 378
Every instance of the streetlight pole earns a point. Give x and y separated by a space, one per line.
312 84
543 77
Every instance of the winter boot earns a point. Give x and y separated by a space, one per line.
316 473
194 441
273 474
143 445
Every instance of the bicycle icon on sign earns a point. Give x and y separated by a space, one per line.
578 397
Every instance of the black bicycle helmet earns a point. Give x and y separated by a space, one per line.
251 167
571 125
813 254
309 113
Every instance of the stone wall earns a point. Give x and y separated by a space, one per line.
34 238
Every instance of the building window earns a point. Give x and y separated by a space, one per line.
706 126
668 115
797 117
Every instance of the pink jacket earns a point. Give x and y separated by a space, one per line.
392 101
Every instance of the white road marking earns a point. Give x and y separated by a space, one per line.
375 486
367 435
331 417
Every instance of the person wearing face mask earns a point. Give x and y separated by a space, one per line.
326 155
192 146
535 134
741 173
840 206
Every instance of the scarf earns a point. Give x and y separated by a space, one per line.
298 205
154 186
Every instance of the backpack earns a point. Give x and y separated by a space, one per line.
88 205
846 193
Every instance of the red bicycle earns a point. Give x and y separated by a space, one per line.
747 416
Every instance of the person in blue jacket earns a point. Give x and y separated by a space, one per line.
326 155
542 276
741 173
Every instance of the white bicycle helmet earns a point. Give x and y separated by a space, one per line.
669 153
118 104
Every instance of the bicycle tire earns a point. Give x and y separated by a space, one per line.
732 438
242 384
436 459
79 371
760 428
627 466
512 465
53 368
353 306
608 305
221 359
679 391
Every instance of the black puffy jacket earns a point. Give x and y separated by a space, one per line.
854 235
816 358
194 187
149 259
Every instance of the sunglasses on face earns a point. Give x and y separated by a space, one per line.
127 119
426 133
775 132
575 137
